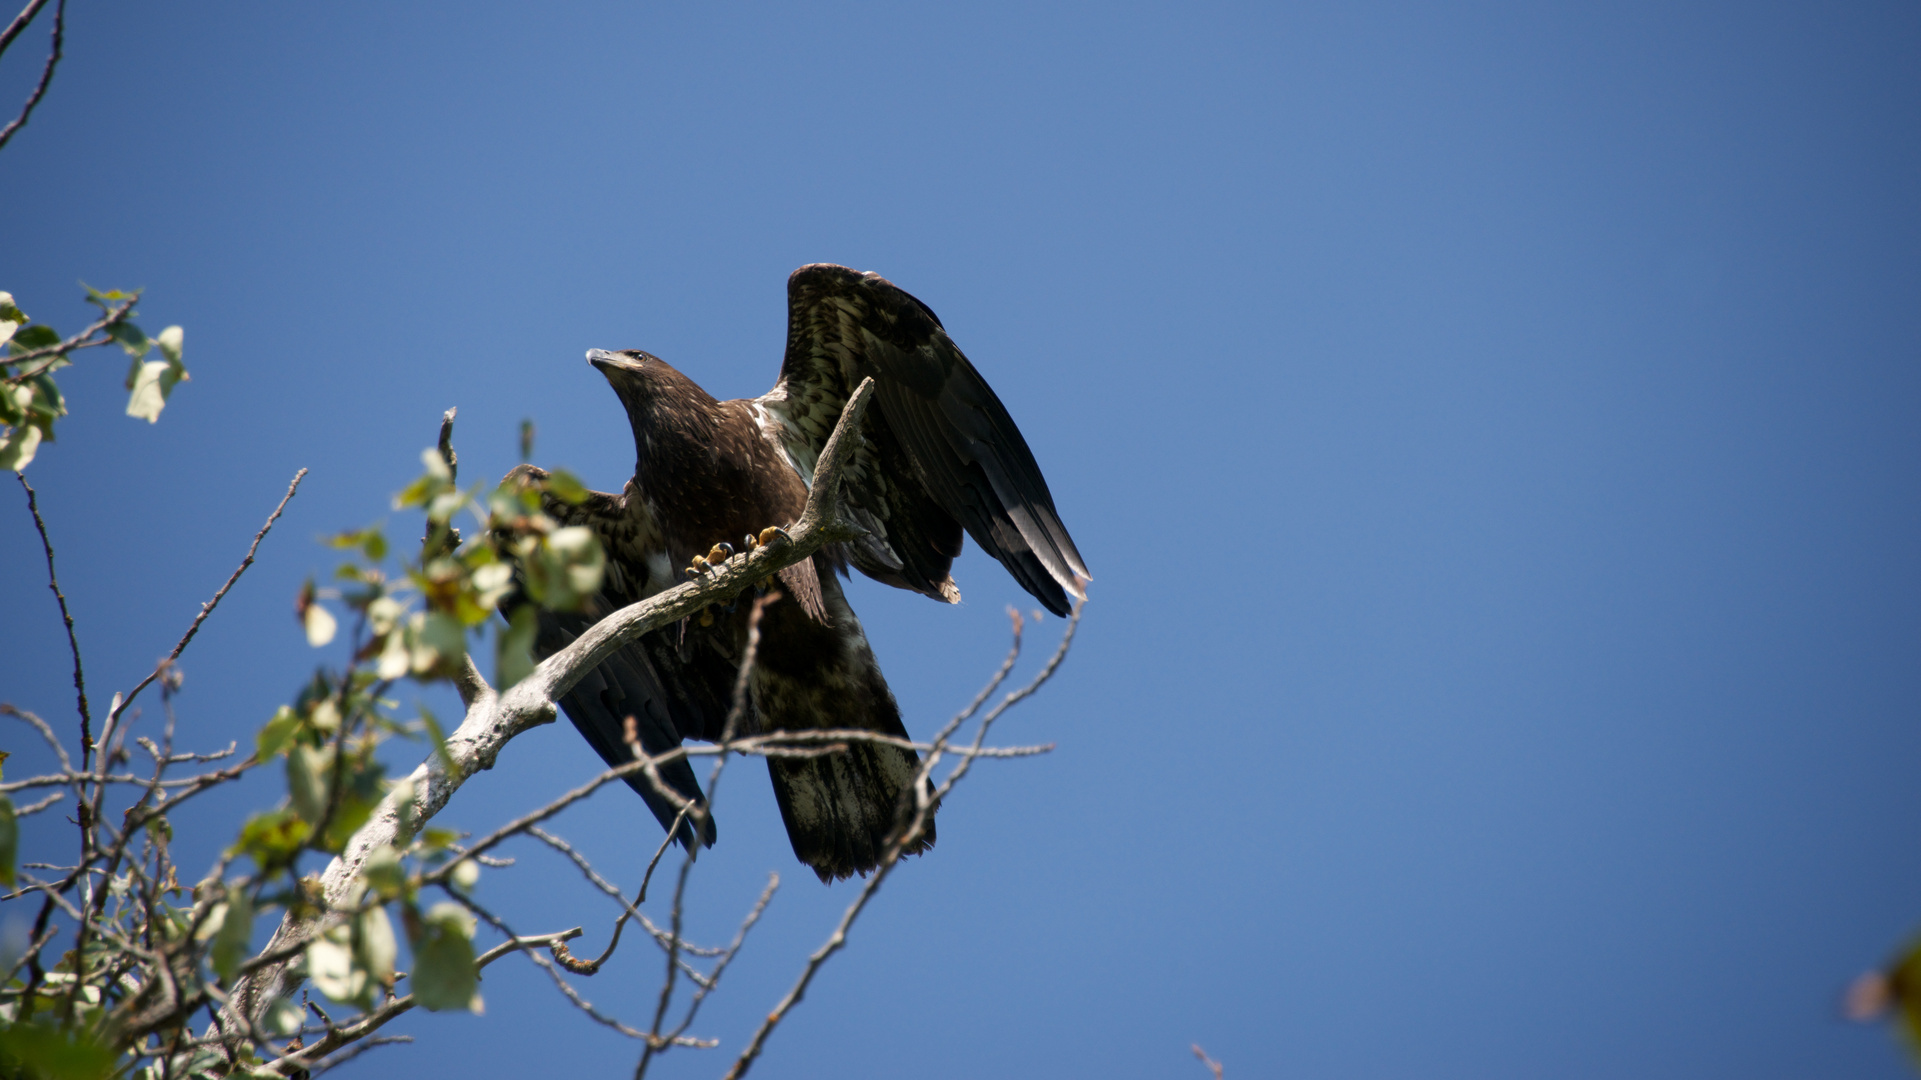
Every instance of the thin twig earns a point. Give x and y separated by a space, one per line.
736 711
34 808
566 988
85 339
1212 1065
727 957
925 802
46 74
337 1060
628 910
20 22
66 616
45 730
206 609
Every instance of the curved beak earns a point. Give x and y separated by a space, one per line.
609 362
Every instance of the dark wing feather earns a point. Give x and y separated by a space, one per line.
626 684
965 461
675 685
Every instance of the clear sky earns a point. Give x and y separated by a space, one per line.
1492 428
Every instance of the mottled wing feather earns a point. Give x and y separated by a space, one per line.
965 462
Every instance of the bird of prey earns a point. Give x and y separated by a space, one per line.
938 454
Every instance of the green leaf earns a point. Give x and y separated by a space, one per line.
439 736
308 781
331 966
278 733
148 398
514 648
18 447
170 341
30 1050
444 976
566 487
131 338
359 796
415 494
10 312
437 839
466 874
371 542
565 568
440 645
283 1017
9 841
375 946
235 937
384 873
47 401
272 838
526 427
319 624
37 336
491 584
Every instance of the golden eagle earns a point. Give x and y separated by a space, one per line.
938 454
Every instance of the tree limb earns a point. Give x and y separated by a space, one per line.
46 74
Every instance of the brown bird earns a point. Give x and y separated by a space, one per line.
938 454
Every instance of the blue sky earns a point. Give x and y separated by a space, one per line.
1492 428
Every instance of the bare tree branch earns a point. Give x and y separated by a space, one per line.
73 643
94 336
46 74
904 837
206 609
20 22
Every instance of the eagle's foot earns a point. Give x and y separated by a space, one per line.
720 553
773 532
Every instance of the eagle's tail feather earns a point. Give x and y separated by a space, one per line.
842 809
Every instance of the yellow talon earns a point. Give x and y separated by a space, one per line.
720 553
768 534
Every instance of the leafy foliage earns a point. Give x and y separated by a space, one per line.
30 400
110 1006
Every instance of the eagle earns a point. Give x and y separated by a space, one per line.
937 456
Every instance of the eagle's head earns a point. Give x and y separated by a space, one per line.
644 381
659 399
626 370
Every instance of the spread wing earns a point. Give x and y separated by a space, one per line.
940 451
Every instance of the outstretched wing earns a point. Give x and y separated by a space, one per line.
940 451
